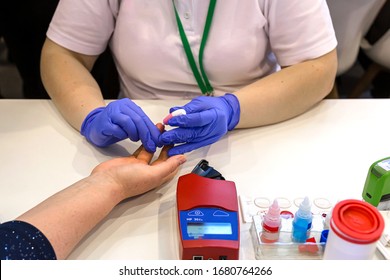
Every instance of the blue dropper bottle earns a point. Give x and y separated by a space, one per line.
302 222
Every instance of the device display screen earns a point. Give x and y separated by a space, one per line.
201 229
209 223
385 164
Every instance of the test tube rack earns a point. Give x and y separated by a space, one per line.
284 247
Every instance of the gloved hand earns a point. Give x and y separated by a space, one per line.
206 121
119 120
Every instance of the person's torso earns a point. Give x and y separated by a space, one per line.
151 59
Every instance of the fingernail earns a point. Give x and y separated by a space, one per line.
182 159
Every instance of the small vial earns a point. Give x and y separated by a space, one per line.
178 112
326 222
271 224
302 222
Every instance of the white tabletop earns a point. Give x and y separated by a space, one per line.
325 152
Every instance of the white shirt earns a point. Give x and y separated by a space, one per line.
248 40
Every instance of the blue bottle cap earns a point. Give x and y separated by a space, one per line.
324 235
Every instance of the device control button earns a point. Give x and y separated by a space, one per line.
195 213
220 213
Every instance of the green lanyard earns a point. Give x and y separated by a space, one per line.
202 80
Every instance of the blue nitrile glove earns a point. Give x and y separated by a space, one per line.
119 120
206 121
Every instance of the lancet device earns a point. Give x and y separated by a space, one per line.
207 209
377 186
178 112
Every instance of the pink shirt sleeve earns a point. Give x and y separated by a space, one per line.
92 23
297 32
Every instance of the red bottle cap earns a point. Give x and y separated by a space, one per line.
357 221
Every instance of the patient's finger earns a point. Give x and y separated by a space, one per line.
136 153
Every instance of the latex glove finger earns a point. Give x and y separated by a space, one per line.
179 135
188 147
126 124
143 120
101 136
175 108
110 136
183 135
136 129
198 104
194 120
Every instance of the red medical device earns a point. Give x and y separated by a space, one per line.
208 218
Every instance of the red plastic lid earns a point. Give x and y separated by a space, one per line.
357 221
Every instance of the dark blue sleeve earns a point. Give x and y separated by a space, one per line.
22 241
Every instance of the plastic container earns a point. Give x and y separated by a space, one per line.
302 222
271 224
285 248
355 228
